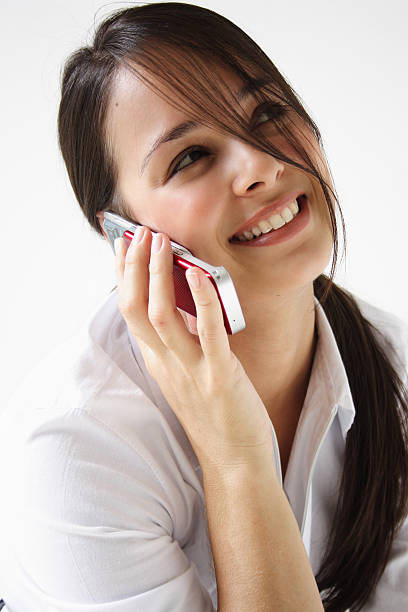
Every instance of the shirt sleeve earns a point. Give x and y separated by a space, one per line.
97 528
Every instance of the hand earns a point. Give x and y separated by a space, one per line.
201 378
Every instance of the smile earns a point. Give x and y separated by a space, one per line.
271 223
277 227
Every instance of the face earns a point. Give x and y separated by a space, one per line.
201 199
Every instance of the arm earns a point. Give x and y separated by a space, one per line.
257 548
91 524
258 552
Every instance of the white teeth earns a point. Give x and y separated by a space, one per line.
273 222
287 214
277 221
265 226
294 207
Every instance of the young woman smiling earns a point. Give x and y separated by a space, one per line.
189 469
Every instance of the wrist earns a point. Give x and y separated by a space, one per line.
254 469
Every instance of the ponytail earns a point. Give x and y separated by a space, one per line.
373 496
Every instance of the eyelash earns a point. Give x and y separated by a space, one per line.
278 109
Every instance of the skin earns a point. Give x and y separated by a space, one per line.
202 205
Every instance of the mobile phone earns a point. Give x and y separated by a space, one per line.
116 226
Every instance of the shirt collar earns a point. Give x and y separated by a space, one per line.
329 374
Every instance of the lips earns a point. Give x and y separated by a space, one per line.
266 212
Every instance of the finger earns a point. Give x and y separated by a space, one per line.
162 310
133 286
210 321
120 247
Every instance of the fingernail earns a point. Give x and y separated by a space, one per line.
138 235
157 242
194 280
117 244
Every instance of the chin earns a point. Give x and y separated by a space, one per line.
296 269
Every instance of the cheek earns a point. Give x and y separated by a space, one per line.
183 217
308 142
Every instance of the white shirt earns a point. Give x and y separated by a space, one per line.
102 503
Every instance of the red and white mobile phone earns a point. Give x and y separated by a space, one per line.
116 226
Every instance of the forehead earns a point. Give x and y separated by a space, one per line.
137 115
136 108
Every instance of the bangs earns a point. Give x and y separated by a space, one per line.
198 84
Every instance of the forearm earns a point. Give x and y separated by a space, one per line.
259 557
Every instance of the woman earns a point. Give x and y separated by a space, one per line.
173 467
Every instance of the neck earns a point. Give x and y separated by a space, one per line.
277 348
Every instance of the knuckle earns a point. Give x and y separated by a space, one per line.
158 318
216 383
131 257
126 307
155 268
208 333
204 302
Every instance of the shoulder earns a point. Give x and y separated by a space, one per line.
390 330
107 479
91 393
79 372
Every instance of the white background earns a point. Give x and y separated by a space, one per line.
346 58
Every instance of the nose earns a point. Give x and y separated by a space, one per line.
254 170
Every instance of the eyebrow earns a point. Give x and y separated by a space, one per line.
182 129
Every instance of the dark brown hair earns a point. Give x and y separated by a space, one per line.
181 45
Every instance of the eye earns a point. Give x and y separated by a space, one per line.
272 109
189 153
